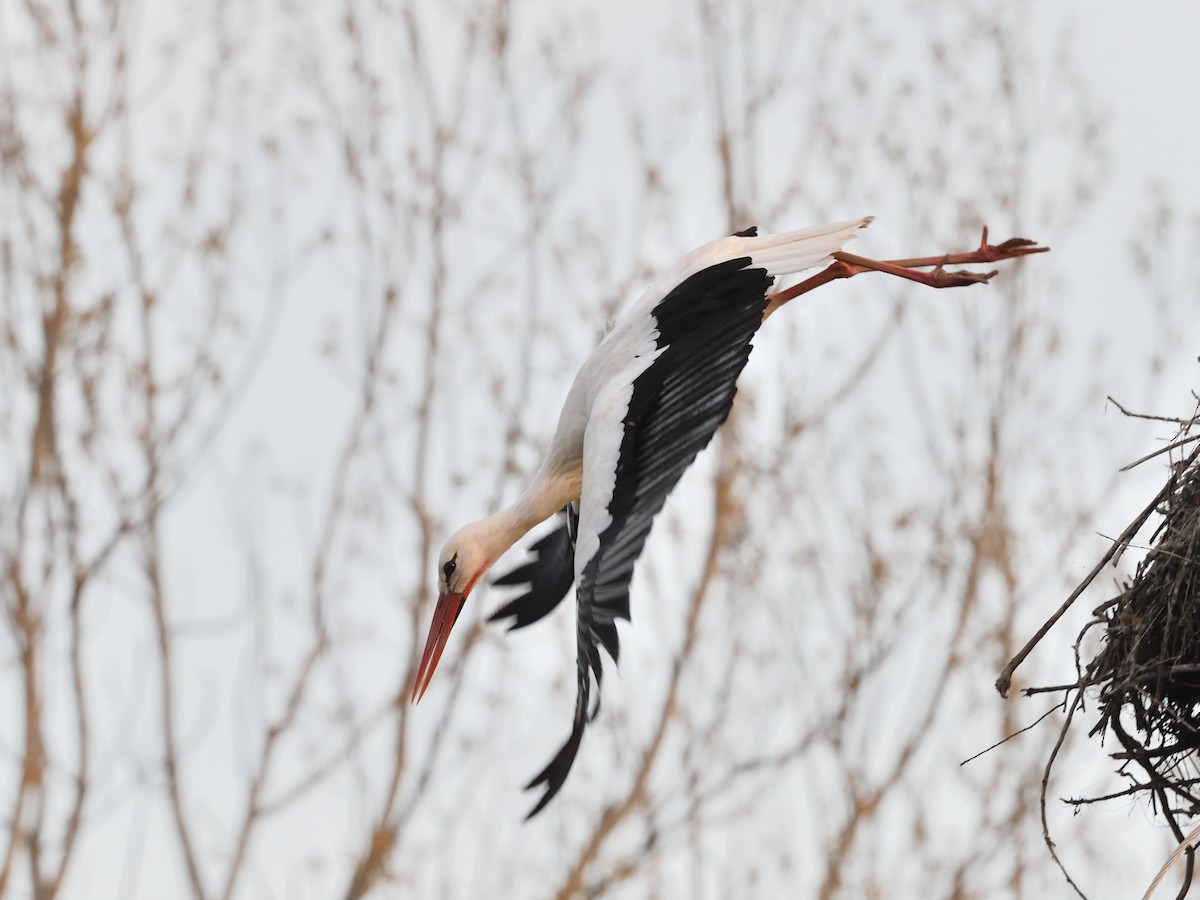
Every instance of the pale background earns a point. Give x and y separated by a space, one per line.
289 291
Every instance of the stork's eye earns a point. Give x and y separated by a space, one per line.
450 566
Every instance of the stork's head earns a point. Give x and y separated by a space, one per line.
462 562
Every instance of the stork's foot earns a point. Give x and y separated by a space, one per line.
938 278
984 253
847 265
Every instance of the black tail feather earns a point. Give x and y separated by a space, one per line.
555 774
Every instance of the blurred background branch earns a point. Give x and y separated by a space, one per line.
289 290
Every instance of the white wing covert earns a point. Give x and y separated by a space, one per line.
667 394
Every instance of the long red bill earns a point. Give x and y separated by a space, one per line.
449 605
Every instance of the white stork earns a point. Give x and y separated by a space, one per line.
644 404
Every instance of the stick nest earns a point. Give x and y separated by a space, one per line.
1147 671
1145 677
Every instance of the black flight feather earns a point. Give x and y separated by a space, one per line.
706 324
548 575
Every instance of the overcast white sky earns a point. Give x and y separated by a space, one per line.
1142 70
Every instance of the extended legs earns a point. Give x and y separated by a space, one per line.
847 265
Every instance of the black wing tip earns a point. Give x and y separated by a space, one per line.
509 609
752 231
519 575
547 579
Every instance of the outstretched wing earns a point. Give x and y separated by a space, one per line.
659 421
548 576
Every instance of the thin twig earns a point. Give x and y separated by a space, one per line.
1005 680
1147 416
1185 846
1167 449
1062 736
1007 738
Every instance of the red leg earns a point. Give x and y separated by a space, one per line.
847 265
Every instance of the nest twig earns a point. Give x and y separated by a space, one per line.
1145 678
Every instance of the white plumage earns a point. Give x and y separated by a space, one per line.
602 388
645 402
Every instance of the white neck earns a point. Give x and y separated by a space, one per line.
546 496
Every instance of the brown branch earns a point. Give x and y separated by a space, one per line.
371 860
55 319
254 808
75 817
152 560
45 467
26 628
336 511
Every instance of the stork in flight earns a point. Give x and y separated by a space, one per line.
644 404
